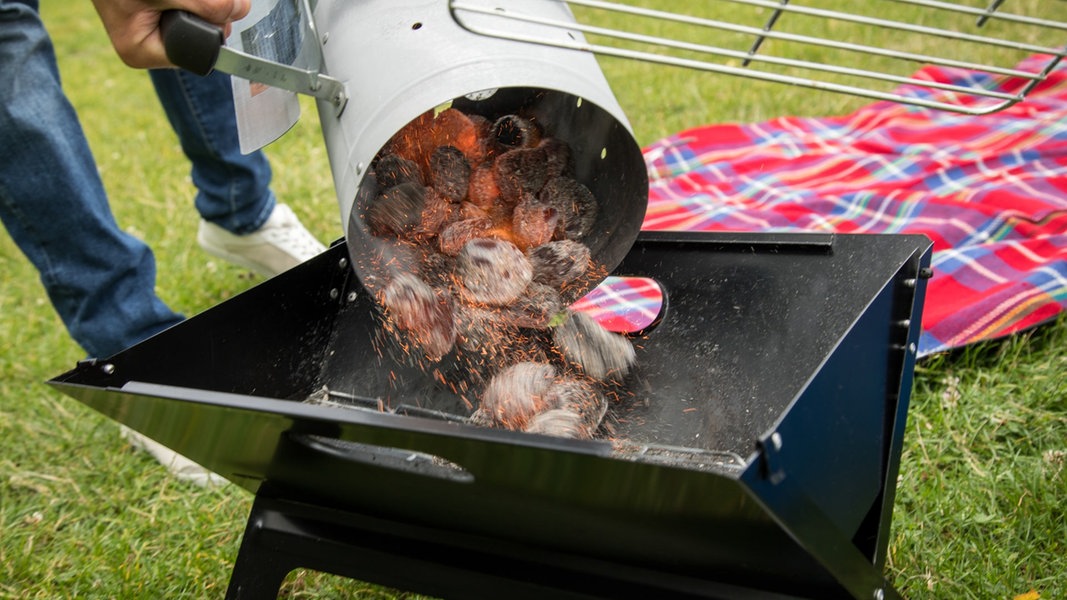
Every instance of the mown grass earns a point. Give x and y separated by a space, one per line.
982 492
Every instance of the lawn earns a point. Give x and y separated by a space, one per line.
982 490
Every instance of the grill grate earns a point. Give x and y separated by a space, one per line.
866 48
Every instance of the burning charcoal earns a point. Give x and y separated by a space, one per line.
436 269
450 172
397 210
392 170
581 398
513 131
600 353
536 308
558 158
558 263
483 331
470 210
455 236
558 422
437 212
423 313
482 189
533 223
516 394
519 172
492 272
576 204
452 127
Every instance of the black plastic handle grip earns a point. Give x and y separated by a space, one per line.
190 42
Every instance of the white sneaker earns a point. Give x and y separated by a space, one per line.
279 245
180 467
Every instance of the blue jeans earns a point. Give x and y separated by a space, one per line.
100 280
233 189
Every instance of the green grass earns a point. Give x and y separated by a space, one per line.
982 492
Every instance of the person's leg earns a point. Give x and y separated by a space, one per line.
242 222
100 279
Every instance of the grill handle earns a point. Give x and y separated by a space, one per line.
190 42
386 457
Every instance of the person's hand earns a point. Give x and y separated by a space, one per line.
133 25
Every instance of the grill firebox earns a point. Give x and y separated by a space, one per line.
757 454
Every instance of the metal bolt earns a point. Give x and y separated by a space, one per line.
343 262
879 594
352 296
909 283
107 368
776 439
334 293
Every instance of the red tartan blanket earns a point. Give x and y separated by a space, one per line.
990 191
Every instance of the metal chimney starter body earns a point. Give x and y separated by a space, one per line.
402 59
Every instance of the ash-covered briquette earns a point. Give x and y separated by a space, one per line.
436 269
558 263
513 131
582 398
455 235
520 172
601 354
536 308
558 422
450 172
392 170
493 272
533 222
516 393
576 204
397 211
426 315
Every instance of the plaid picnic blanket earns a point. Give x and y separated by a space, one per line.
990 192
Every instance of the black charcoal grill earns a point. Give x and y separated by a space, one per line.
756 457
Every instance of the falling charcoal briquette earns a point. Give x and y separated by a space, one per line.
516 393
519 172
450 172
455 235
558 422
492 272
600 353
533 222
558 263
576 204
422 312
392 170
397 210
513 131
581 398
536 308
437 212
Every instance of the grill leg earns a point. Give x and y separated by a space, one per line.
262 562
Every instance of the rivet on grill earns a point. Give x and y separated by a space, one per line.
879 594
351 297
905 323
334 293
912 347
776 439
909 283
107 368
325 38
342 263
